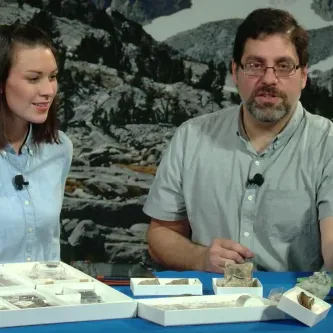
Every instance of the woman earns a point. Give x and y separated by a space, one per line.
35 156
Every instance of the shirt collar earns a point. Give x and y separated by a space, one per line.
27 147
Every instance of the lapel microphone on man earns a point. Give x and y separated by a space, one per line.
19 181
257 179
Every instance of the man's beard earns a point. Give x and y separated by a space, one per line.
268 112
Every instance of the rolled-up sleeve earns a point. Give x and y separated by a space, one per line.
165 199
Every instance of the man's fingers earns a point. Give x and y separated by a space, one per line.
234 246
223 261
230 255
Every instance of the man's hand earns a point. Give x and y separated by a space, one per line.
225 250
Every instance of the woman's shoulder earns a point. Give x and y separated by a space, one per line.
65 140
63 147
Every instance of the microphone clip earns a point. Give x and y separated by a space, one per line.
19 182
257 179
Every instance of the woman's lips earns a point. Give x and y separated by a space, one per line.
41 106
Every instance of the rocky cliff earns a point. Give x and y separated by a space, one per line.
122 97
144 11
323 8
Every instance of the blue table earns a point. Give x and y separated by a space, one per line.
269 280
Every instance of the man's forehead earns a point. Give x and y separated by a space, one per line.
271 47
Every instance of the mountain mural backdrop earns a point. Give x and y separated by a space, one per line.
123 94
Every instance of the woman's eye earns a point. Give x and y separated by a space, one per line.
33 79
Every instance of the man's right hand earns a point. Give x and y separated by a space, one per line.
225 250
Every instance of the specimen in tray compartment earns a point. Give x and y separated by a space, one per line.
27 301
195 305
305 300
89 297
150 282
237 275
49 271
179 281
4 282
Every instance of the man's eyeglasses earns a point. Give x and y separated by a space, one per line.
282 69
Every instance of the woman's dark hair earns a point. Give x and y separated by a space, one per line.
268 21
30 36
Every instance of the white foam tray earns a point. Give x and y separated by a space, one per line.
194 287
115 304
148 309
255 291
289 304
22 270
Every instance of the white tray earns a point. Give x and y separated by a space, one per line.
68 307
151 309
289 304
255 291
194 287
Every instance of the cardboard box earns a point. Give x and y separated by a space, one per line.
200 311
164 288
255 291
66 298
290 305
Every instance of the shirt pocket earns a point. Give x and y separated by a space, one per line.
287 215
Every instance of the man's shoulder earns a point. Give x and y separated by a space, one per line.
318 124
219 118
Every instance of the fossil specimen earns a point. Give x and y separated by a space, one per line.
179 281
149 282
27 301
305 300
237 275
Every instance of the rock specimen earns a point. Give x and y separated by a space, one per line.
149 282
318 284
179 281
237 275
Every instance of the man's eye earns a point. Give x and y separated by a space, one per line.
284 66
256 65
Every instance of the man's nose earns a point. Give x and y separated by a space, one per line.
269 77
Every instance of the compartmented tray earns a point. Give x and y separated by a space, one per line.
213 309
165 286
35 273
73 296
219 289
11 280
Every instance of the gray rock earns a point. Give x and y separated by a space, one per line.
143 11
85 228
323 8
318 284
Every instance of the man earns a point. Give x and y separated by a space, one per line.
252 182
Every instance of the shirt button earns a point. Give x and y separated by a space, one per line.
246 234
26 202
257 163
250 197
30 229
28 259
